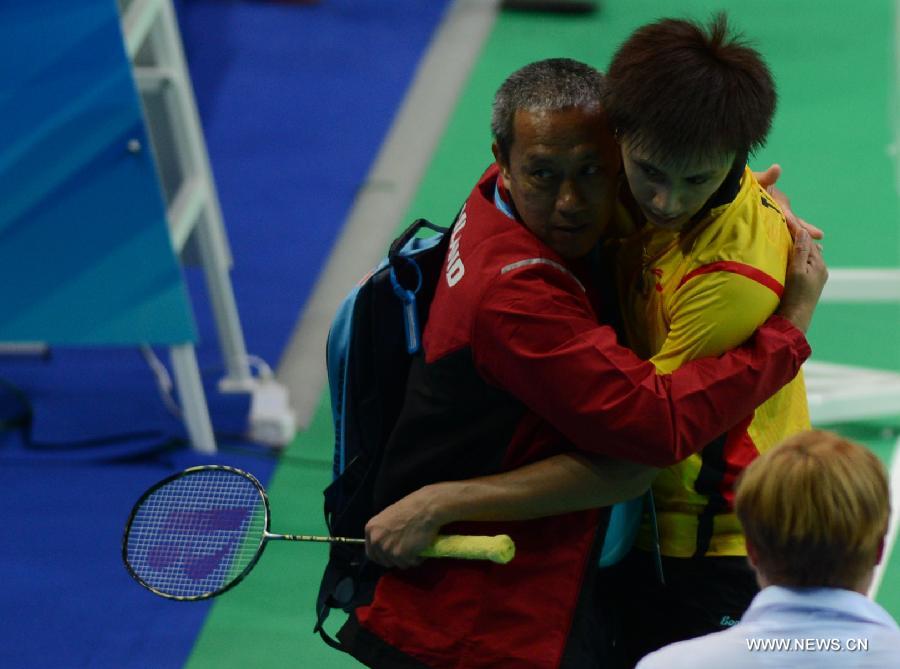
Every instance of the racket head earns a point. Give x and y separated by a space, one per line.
197 533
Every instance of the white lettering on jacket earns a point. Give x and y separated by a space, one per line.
455 268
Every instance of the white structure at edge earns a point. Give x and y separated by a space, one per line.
153 44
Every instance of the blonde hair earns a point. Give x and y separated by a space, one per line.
815 508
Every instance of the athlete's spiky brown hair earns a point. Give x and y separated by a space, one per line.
679 89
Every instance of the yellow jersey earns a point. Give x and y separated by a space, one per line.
696 293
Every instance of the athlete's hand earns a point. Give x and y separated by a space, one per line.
767 180
396 536
805 279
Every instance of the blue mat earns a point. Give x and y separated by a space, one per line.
295 100
315 88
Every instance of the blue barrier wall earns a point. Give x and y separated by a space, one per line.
85 255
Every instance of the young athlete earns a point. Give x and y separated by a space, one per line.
705 267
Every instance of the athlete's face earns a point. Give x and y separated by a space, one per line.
670 192
561 174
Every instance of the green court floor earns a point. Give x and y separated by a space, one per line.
836 124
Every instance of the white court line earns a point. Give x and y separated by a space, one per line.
891 538
387 192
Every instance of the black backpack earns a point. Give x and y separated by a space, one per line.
372 341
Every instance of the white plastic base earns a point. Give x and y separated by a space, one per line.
272 421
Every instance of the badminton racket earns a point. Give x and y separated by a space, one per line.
198 533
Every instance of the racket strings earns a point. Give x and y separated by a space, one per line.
197 534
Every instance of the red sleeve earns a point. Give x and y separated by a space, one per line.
536 336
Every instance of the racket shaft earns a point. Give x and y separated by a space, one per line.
310 537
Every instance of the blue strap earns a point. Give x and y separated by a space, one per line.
410 311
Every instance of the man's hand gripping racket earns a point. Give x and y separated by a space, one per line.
198 533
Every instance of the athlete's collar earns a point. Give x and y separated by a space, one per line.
729 189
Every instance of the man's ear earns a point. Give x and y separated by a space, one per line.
502 163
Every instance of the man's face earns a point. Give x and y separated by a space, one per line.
670 192
561 173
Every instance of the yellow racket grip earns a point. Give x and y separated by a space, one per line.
499 549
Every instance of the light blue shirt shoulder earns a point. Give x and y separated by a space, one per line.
500 203
794 628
